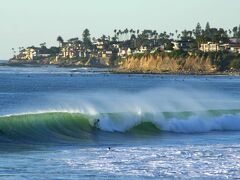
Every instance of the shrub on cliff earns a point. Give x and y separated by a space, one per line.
178 54
235 64
223 61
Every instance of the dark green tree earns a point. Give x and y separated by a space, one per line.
235 64
207 28
207 32
198 34
60 40
87 39
235 31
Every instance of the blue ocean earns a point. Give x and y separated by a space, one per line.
85 123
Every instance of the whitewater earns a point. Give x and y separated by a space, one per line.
148 126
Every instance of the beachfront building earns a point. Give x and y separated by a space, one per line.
210 47
68 52
73 48
28 54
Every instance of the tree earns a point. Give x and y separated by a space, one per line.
230 32
235 64
13 50
87 39
168 46
184 35
207 32
126 31
131 32
222 35
54 50
133 41
138 31
176 31
103 38
178 36
198 34
119 33
235 31
43 44
238 34
60 40
114 39
207 27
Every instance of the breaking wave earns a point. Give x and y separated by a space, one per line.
72 117
63 126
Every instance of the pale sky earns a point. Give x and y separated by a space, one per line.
31 22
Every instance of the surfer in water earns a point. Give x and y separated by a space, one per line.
96 123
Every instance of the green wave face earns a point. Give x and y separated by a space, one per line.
71 127
46 127
144 128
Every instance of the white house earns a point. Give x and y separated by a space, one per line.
210 47
28 54
181 45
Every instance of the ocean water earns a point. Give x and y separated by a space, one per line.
84 123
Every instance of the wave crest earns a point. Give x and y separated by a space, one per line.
58 126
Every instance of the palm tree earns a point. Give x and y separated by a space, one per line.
178 36
13 50
230 32
43 44
176 31
120 33
171 35
126 31
60 40
115 33
103 38
138 31
131 32
235 31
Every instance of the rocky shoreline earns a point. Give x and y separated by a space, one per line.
143 65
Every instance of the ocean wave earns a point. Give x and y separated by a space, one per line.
63 126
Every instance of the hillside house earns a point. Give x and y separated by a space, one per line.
234 48
210 47
28 54
184 45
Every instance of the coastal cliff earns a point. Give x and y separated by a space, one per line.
166 64
77 62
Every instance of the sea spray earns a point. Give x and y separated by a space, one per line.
150 101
